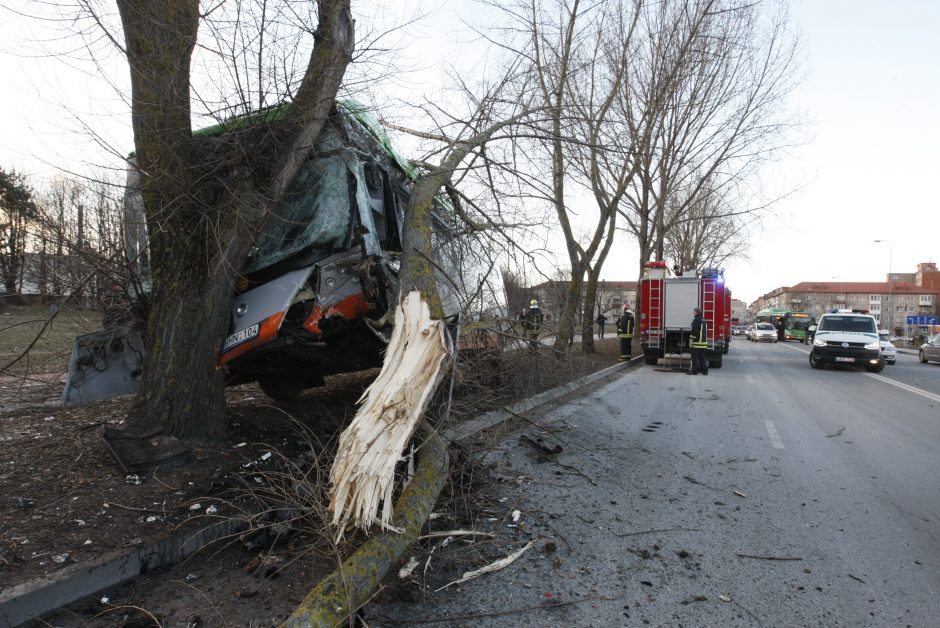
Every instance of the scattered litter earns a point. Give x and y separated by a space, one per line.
60 558
503 499
190 577
739 493
239 445
23 502
196 506
211 510
87 542
152 518
49 418
724 598
515 516
837 432
499 564
105 600
265 456
646 583
80 522
857 578
405 571
257 479
132 479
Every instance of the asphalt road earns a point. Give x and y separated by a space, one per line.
765 494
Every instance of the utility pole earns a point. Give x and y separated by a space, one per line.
890 261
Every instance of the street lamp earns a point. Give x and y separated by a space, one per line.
890 261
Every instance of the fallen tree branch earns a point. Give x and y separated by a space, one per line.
338 595
499 564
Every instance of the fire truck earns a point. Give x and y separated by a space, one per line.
666 304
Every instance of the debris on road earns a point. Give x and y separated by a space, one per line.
838 432
768 557
499 564
739 493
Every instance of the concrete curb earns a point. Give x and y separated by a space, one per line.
495 417
39 596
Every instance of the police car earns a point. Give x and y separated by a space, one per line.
888 350
847 337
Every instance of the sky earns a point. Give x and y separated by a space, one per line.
863 172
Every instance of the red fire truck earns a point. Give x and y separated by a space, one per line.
666 305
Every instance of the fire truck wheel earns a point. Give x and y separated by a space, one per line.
715 364
651 359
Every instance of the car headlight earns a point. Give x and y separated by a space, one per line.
819 342
873 345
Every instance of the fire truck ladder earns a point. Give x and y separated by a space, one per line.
708 311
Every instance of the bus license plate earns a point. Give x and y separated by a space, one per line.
845 359
240 337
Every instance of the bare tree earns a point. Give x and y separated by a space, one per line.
205 198
17 212
708 234
708 108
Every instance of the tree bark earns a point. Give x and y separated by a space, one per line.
199 238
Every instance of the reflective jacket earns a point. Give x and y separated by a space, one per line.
625 325
699 339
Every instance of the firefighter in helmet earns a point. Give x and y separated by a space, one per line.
625 326
533 322
698 342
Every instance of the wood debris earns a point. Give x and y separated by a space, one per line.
499 564
363 474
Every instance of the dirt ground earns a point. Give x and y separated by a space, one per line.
65 502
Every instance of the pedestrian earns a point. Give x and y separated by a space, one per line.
601 320
533 323
625 326
698 343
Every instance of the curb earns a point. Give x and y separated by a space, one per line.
495 417
39 596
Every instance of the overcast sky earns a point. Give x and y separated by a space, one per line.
865 172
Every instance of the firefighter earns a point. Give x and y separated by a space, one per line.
625 332
533 322
698 343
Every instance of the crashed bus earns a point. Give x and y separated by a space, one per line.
318 289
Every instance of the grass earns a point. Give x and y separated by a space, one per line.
21 324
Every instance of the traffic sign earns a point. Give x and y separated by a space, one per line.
922 320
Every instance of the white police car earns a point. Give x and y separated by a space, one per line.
847 337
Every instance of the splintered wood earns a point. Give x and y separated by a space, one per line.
363 473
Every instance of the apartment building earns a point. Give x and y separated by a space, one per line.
891 302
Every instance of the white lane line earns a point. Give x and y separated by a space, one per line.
740 359
796 348
916 391
887 380
774 436
749 379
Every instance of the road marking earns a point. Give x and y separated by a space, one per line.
798 348
740 359
749 379
774 436
887 380
916 391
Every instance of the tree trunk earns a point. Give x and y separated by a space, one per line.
587 312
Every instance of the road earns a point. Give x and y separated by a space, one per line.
764 494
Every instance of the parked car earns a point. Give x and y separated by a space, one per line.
888 350
930 350
764 332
